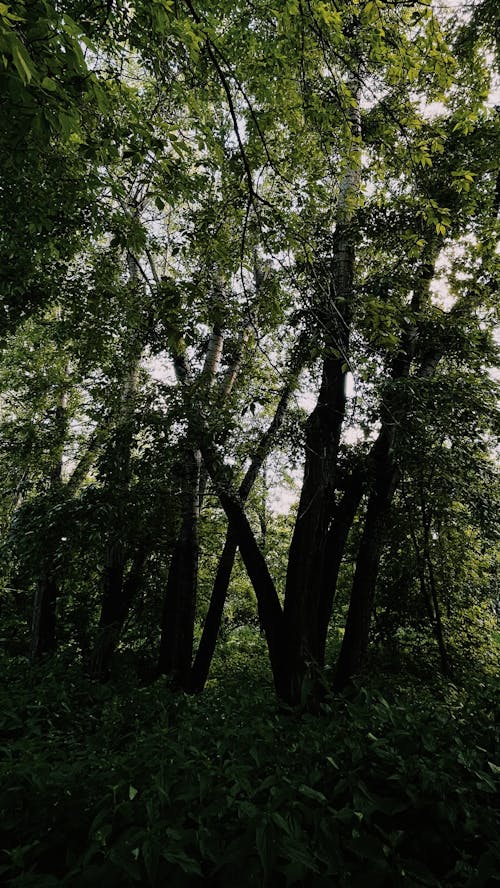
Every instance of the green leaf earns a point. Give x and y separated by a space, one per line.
311 793
49 84
22 62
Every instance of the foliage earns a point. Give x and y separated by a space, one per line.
138 786
245 242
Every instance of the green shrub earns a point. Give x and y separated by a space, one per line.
107 785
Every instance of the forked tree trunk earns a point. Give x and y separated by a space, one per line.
118 596
355 641
179 606
345 513
206 647
211 627
386 475
268 604
308 580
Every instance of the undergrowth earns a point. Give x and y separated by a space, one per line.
116 785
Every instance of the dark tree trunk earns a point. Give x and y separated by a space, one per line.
430 598
269 608
43 630
309 572
386 477
436 610
438 624
345 512
118 597
206 648
355 642
113 607
110 620
176 643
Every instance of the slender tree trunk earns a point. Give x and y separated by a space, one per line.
355 642
176 643
269 607
206 648
43 628
111 616
429 597
211 627
437 621
179 607
119 594
386 477
338 533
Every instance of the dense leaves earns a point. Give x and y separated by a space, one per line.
108 784
248 428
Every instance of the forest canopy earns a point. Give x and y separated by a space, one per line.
248 394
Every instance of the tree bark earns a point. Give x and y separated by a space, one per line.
117 600
206 648
308 584
436 610
386 477
355 642
308 569
176 643
429 596
269 607
211 627
345 513
43 628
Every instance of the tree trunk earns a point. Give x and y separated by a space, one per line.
308 573
338 533
436 610
118 596
269 608
112 616
307 580
355 642
43 628
206 648
429 597
176 643
386 477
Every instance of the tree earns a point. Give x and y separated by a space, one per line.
273 200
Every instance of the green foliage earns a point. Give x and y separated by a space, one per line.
173 175
121 786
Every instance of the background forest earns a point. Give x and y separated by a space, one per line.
248 443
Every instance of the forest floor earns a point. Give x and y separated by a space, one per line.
118 785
